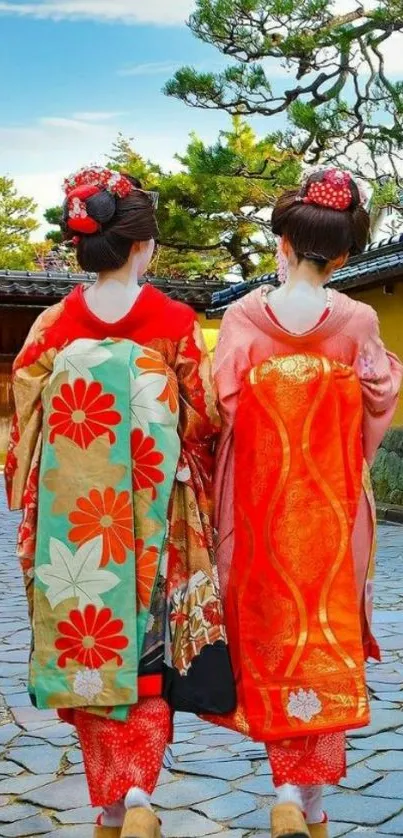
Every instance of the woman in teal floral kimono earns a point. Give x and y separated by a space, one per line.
110 460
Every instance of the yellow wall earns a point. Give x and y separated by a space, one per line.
210 331
389 308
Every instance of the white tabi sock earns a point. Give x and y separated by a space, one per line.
113 815
137 797
289 794
312 799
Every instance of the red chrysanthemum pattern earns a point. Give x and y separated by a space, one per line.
146 569
82 412
108 514
212 615
145 460
91 638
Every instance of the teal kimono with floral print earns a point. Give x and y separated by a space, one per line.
101 523
110 460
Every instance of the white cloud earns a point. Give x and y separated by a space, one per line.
154 68
45 188
66 123
97 116
38 156
162 12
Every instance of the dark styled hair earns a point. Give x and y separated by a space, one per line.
122 221
318 233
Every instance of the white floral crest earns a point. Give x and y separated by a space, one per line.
304 705
88 683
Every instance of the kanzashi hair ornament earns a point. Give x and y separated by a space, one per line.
333 191
83 185
97 176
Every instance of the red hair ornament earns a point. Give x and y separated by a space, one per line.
333 191
78 218
83 185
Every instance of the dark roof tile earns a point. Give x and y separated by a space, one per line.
380 263
46 287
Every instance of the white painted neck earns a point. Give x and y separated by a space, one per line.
298 306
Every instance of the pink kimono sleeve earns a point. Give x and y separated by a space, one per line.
380 373
230 366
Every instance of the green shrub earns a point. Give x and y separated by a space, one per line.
387 471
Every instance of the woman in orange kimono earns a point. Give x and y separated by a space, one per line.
306 392
110 460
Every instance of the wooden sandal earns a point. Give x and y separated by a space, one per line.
287 821
107 831
319 830
140 823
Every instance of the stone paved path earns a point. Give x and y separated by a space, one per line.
218 782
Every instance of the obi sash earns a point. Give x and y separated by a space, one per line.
291 609
109 458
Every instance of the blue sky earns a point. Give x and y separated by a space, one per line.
71 84
76 72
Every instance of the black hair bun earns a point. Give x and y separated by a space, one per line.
101 207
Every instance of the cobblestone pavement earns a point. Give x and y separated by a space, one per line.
218 782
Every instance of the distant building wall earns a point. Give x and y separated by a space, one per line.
389 308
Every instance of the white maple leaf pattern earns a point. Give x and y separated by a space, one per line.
79 357
144 405
78 575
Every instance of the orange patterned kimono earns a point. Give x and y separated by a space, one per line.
302 417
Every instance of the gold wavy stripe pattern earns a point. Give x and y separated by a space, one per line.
292 586
339 512
247 659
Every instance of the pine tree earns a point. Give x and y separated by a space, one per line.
17 222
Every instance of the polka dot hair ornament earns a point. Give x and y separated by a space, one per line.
83 185
332 191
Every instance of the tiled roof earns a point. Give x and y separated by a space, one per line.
381 263
28 288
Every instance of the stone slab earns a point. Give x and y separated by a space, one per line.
85 814
39 759
37 825
392 761
228 807
68 793
261 785
393 827
8 732
222 770
16 812
360 777
184 825
381 720
26 782
187 792
9 768
390 786
381 742
363 810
